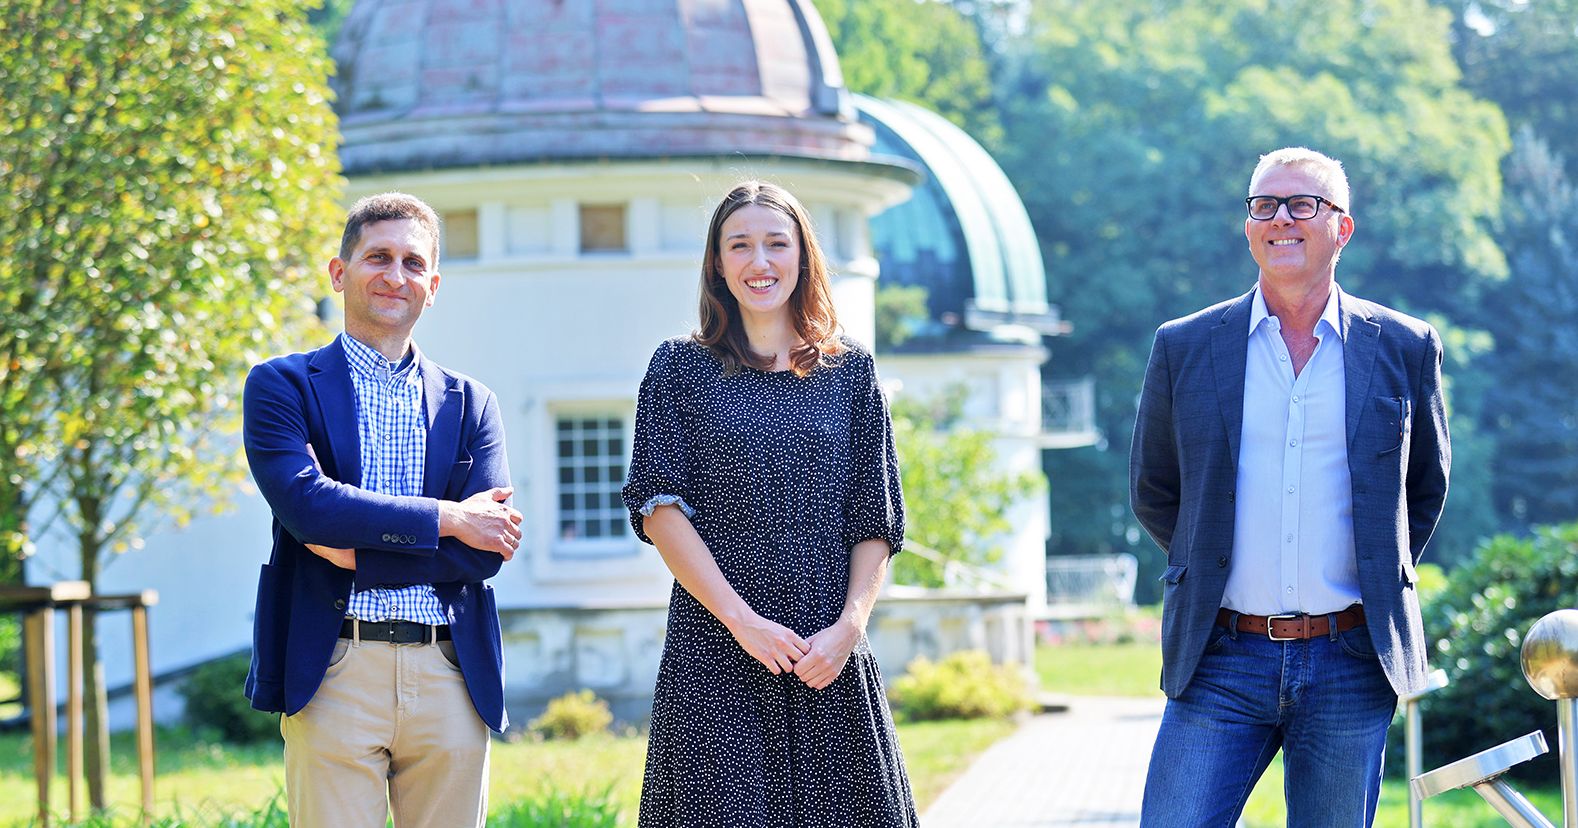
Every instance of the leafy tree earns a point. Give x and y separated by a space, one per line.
923 51
956 498
1523 56
1533 412
1131 130
899 310
170 180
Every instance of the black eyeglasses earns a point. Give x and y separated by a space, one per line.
1300 207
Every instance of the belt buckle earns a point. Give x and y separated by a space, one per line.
1290 616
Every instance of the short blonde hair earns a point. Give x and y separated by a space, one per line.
1325 169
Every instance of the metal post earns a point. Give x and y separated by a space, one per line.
1413 743
1566 721
1511 805
1414 760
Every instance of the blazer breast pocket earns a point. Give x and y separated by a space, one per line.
459 472
1396 416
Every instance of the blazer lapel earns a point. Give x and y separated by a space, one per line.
1229 349
443 397
330 376
1360 338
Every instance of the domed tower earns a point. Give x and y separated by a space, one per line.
437 84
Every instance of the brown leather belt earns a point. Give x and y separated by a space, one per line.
1293 627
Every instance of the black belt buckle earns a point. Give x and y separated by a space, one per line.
391 631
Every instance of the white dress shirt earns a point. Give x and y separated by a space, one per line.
1293 523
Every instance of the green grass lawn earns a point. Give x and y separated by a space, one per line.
203 781
1128 669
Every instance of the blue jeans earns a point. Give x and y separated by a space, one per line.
1325 703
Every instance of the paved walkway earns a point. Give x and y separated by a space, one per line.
1084 767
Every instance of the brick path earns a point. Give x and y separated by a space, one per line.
1084 767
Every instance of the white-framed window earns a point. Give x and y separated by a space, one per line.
589 457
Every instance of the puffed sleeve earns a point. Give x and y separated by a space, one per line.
875 508
659 468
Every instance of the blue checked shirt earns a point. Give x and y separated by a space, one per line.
391 427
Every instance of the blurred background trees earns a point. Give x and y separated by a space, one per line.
1130 130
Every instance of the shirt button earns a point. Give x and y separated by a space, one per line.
1293 443
1283 357
1290 538
1290 490
1295 398
1290 590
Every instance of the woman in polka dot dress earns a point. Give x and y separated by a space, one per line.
763 470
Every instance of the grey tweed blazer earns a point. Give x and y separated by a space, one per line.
1184 459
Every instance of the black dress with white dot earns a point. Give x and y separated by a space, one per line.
782 476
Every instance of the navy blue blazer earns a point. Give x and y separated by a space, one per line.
299 428
1183 471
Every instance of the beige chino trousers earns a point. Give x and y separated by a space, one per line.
391 728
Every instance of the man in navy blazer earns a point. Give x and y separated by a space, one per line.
1290 456
374 632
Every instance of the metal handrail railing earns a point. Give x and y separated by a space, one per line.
1550 663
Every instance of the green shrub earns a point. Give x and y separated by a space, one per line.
1475 626
215 702
965 685
572 716
555 809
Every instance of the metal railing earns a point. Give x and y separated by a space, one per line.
1550 663
1088 585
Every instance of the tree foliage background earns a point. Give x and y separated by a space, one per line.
170 185
1130 130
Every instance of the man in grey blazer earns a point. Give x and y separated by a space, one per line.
1290 457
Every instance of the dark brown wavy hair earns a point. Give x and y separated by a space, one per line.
810 306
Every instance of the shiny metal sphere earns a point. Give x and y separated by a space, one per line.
1550 655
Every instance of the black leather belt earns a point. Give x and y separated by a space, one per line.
394 632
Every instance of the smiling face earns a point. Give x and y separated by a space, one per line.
759 260
1296 251
387 280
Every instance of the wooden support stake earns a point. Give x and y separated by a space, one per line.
74 709
40 649
144 678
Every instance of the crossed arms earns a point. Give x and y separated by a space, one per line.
396 539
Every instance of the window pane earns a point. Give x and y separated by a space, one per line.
459 235
603 228
590 472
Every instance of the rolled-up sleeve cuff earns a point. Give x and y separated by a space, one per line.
667 500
